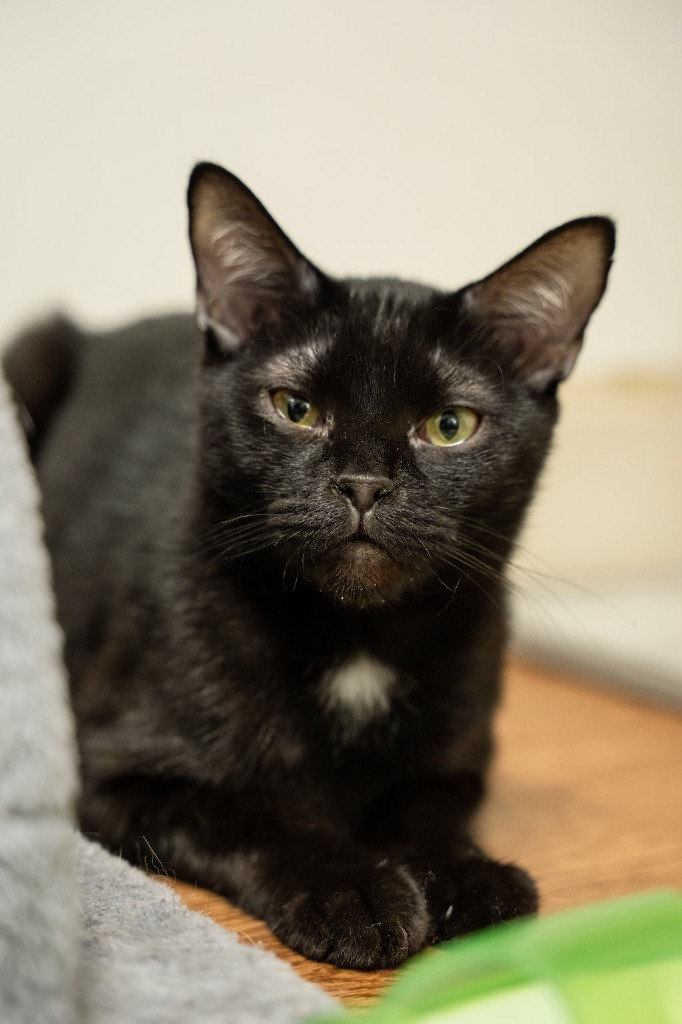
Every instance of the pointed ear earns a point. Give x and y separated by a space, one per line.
539 303
248 272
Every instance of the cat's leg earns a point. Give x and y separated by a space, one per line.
320 892
424 825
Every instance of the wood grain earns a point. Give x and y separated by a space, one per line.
586 794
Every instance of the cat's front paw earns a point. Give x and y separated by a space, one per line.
364 918
485 892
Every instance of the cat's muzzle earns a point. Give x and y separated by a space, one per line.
361 573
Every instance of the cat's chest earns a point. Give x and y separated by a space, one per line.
358 693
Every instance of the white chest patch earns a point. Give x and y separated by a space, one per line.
358 691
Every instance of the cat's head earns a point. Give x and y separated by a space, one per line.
378 437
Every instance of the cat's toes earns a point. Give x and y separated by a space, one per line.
367 919
486 893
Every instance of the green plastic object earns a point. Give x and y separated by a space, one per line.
618 962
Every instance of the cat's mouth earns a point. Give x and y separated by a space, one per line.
364 552
362 538
359 571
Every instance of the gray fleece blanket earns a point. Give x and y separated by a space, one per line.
84 937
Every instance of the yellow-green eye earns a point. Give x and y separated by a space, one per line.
452 426
295 408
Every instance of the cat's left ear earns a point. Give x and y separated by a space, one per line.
538 305
249 275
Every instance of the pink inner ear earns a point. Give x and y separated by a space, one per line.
248 271
539 303
235 315
534 356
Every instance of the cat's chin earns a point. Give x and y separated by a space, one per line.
361 574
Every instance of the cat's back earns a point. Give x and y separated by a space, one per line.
125 415
115 449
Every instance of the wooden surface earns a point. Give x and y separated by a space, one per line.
586 794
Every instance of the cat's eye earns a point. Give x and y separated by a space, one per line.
450 427
295 408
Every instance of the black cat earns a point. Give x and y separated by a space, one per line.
279 550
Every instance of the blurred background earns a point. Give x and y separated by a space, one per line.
431 140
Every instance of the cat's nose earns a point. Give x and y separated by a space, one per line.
363 491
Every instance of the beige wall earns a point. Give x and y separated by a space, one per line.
429 138
610 503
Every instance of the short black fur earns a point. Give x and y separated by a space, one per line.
285 643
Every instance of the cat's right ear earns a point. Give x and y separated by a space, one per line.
249 275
